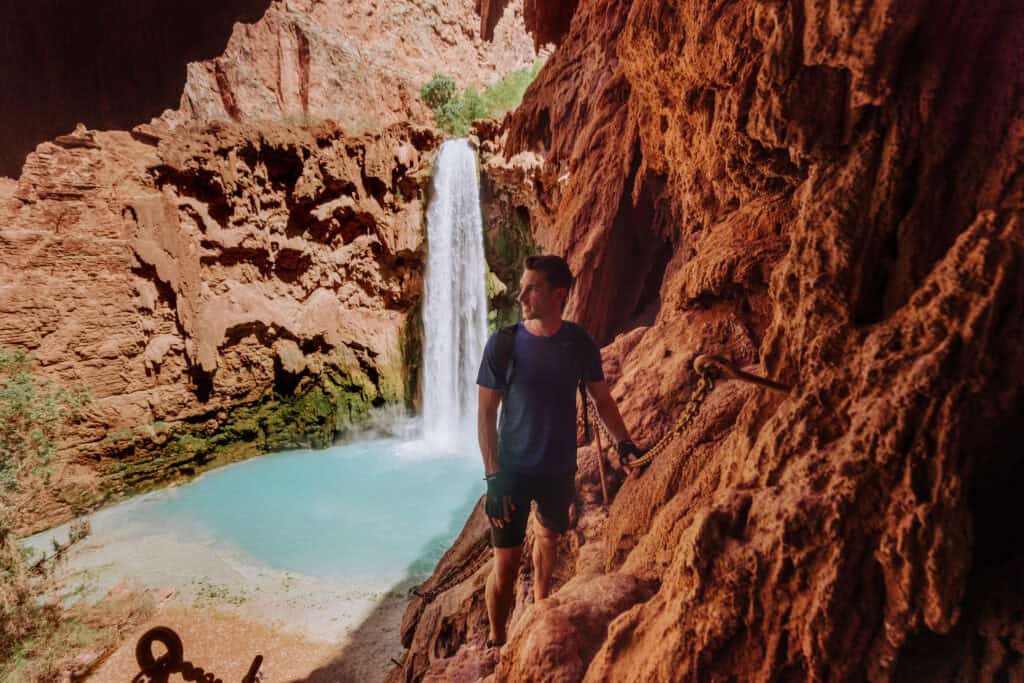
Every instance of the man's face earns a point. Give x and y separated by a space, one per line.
536 297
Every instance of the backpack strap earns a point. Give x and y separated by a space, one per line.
503 352
581 352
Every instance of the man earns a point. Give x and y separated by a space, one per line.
534 456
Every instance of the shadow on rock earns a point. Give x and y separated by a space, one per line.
374 648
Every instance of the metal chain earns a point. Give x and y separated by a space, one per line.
708 368
705 383
700 392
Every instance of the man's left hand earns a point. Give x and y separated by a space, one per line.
629 451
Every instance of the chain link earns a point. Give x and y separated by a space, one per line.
705 383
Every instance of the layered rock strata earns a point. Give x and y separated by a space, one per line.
830 196
222 290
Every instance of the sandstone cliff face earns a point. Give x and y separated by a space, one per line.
361 64
222 290
828 195
110 63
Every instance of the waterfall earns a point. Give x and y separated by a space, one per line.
455 304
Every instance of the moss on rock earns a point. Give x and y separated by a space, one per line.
507 243
319 410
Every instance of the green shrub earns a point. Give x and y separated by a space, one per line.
33 412
438 91
455 112
506 94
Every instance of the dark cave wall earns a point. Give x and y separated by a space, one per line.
110 64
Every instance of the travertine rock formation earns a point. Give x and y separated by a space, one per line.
221 289
828 194
110 63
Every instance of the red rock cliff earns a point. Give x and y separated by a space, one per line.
361 64
830 195
222 290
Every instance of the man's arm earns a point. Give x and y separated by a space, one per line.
608 411
486 427
499 505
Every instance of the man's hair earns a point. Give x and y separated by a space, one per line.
556 270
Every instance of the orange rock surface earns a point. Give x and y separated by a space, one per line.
828 194
185 274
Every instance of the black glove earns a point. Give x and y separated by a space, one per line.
627 451
499 487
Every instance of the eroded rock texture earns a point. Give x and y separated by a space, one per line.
110 63
222 290
830 194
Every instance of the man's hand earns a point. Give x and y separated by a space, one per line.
499 504
628 451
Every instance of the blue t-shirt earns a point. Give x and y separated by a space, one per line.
537 432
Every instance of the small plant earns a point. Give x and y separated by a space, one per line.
438 91
33 412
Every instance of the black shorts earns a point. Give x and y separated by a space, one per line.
553 495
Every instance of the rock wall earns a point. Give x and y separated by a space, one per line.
221 289
113 63
828 195
360 64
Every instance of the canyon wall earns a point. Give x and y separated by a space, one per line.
361 64
111 63
221 290
243 272
827 194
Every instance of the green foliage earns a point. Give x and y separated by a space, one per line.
438 91
33 412
455 112
506 94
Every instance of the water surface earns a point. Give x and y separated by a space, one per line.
383 510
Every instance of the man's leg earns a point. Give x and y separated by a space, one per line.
500 590
545 546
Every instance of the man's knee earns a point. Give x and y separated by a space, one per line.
544 534
506 564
